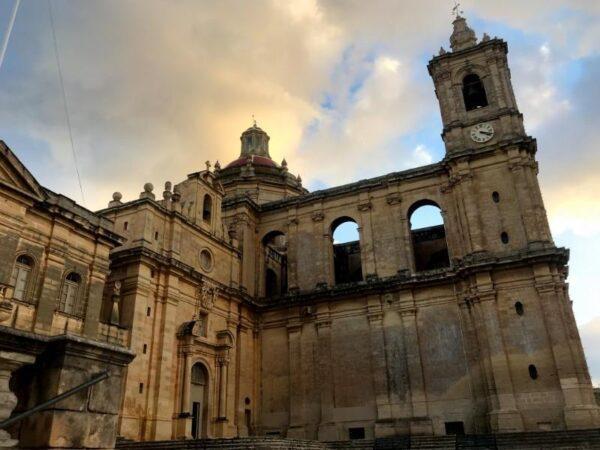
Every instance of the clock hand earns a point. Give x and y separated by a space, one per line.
486 133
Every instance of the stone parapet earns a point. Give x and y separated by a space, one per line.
52 365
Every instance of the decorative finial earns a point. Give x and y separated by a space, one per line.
167 192
217 166
442 51
208 164
148 188
456 11
462 36
116 201
254 121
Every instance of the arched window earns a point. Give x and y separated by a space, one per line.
346 251
69 295
275 263
474 92
21 276
198 399
428 236
207 208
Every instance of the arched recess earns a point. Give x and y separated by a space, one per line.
346 250
207 208
275 263
199 390
473 91
428 236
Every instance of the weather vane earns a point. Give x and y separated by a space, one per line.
456 11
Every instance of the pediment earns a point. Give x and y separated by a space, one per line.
14 175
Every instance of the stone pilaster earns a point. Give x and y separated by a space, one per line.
394 201
48 302
327 430
383 424
367 250
580 409
296 427
292 253
504 417
523 190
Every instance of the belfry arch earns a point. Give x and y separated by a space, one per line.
428 236
347 262
274 264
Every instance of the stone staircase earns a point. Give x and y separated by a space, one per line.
561 440
251 443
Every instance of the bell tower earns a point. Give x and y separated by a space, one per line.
473 86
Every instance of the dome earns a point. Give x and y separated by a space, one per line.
254 160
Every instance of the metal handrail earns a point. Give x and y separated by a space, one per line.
102 376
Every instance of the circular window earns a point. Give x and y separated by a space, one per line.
206 260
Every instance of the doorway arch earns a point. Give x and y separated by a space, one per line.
199 400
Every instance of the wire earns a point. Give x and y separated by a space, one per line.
11 22
64 96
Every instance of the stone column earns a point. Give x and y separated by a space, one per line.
9 362
327 430
296 426
383 425
223 364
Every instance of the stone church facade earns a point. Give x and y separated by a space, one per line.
246 318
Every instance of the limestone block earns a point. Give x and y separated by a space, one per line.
102 431
105 396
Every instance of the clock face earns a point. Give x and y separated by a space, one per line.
482 132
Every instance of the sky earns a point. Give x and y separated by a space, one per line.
156 88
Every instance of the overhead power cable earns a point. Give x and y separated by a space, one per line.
11 22
64 96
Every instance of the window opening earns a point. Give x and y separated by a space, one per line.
347 259
474 92
428 236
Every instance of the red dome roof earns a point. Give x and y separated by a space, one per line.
256 161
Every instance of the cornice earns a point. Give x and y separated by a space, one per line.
461 269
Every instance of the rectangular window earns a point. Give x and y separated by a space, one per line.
454 428
141 389
356 433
